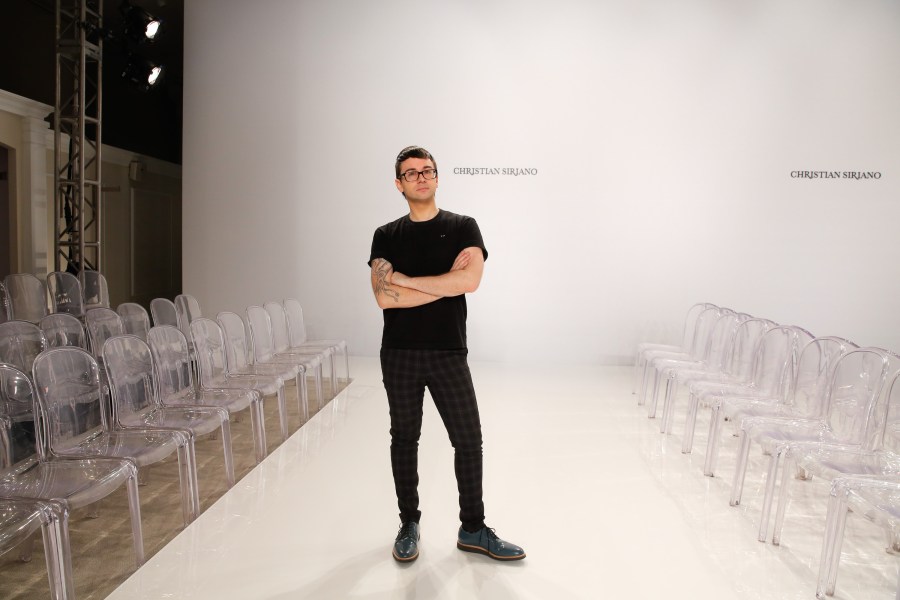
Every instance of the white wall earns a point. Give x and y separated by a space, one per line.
664 135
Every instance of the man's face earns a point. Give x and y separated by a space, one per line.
420 189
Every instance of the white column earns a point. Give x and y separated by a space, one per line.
35 189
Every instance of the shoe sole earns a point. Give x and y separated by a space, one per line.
480 550
401 559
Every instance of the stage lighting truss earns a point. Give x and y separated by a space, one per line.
77 135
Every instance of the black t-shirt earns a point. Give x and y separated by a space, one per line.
419 249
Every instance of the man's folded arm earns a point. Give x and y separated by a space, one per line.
391 295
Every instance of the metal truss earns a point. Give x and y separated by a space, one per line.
77 140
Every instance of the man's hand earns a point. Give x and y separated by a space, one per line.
461 261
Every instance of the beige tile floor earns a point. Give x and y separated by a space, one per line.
575 472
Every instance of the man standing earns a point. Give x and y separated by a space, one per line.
423 264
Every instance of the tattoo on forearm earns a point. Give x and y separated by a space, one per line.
380 271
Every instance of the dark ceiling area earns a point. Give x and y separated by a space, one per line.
144 122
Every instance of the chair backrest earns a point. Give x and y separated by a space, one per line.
163 312
16 405
26 297
687 333
890 433
815 368
94 290
102 324
209 347
776 358
20 343
293 313
171 359
721 339
129 369
186 310
856 387
703 328
67 390
747 336
237 345
260 334
65 293
63 329
135 319
4 304
281 337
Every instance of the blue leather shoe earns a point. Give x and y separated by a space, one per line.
485 541
406 546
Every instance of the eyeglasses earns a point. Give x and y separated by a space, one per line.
413 175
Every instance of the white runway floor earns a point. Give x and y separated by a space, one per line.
604 505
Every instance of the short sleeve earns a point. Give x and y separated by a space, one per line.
379 246
470 236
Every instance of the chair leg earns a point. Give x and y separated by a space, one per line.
187 477
642 395
651 402
740 469
227 449
58 554
784 495
282 413
668 405
258 424
828 563
769 494
134 509
302 396
690 423
712 444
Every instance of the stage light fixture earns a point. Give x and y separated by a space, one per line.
141 72
140 25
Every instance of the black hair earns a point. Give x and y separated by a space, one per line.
413 152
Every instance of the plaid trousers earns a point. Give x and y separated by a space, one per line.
406 374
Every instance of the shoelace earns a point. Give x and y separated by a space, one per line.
404 531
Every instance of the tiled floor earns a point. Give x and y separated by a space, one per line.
605 506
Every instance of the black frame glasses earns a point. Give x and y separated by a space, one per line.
412 175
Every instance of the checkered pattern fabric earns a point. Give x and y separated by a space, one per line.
406 374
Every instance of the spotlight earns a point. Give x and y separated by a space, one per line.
142 73
140 26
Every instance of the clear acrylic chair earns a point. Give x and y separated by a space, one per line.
870 449
264 350
684 347
805 399
853 392
26 297
20 343
162 310
19 522
209 342
135 319
136 404
174 376
94 290
728 359
68 387
876 500
297 336
186 310
703 329
281 343
4 304
239 358
63 329
773 358
713 361
65 294
70 482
